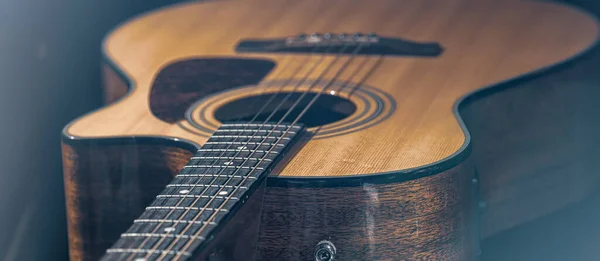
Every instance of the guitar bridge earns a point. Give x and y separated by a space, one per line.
359 44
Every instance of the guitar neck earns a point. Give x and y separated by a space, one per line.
186 216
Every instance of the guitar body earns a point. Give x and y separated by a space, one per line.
419 159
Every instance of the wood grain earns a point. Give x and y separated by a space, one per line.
108 183
432 218
485 42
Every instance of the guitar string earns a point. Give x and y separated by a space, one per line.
217 175
349 80
342 69
321 59
355 73
202 176
273 83
315 83
299 83
267 86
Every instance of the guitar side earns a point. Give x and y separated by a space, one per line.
89 161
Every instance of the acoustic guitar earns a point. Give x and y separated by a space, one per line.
322 130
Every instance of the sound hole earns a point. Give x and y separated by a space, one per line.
325 110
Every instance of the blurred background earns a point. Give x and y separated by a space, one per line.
50 73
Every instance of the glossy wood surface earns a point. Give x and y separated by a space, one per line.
108 184
485 42
432 218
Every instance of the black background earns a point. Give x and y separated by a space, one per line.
50 73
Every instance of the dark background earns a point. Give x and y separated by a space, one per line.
50 74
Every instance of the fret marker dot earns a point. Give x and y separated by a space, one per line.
169 229
184 191
228 163
223 193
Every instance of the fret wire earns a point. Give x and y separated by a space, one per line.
230 158
238 130
233 150
239 143
250 137
127 250
211 175
195 208
259 125
175 221
161 235
189 196
219 166
204 185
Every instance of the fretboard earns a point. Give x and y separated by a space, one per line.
206 193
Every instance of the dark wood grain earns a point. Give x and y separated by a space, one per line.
180 84
108 183
430 218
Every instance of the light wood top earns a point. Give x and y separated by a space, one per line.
485 42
